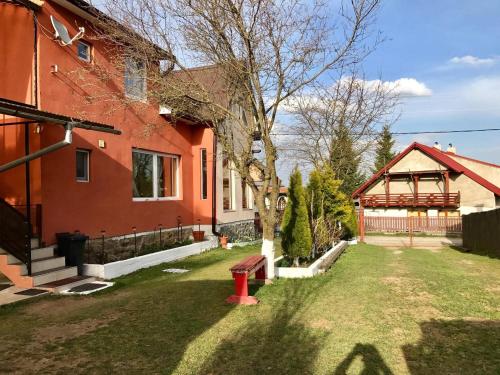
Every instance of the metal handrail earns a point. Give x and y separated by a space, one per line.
15 233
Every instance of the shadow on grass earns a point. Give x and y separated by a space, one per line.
493 254
372 361
455 347
277 342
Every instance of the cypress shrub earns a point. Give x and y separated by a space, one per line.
296 238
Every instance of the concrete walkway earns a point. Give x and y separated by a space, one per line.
418 242
8 295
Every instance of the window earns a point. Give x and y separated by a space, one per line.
246 196
228 186
83 51
82 165
135 79
154 175
204 177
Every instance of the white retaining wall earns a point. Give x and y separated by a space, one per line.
313 269
123 267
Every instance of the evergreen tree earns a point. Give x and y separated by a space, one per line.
296 239
385 143
345 161
328 206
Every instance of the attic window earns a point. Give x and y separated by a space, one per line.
83 51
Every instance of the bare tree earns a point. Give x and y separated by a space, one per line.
328 117
264 53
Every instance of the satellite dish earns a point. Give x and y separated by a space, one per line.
61 33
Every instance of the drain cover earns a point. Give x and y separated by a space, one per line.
31 292
175 270
87 287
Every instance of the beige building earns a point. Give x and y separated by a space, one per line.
425 181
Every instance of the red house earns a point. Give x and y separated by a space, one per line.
69 164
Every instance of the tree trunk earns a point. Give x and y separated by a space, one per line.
268 246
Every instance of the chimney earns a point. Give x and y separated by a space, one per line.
437 145
451 149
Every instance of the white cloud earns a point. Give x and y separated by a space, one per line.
469 60
408 87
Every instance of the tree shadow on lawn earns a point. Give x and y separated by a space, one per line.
455 347
276 343
372 361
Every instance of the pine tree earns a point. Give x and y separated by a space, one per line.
345 161
385 143
296 239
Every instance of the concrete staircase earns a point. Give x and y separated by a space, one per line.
47 270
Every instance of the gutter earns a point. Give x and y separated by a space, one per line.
68 138
214 188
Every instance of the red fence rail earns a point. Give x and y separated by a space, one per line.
441 225
411 200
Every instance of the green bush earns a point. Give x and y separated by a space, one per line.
296 239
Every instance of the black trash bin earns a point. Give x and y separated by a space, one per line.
72 247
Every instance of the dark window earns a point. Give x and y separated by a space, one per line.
82 165
135 79
227 185
204 177
83 50
142 175
244 198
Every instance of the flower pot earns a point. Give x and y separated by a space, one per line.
198 235
223 241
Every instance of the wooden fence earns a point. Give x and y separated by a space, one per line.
482 232
437 225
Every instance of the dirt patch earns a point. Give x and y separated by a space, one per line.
494 289
68 305
322 324
397 252
468 262
62 332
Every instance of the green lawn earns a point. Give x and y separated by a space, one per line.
377 311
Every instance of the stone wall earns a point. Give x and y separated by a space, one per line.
239 231
112 249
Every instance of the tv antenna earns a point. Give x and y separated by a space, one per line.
61 33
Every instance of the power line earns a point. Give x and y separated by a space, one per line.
410 133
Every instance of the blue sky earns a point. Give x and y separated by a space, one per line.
451 52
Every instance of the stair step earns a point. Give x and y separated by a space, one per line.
43 252
67 283
52 275
45 264
35 243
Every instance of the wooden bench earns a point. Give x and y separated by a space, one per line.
255 264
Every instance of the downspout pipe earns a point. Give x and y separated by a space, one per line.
214 188
68 138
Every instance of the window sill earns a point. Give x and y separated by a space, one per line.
224 211
156 199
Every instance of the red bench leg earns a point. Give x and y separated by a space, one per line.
260 275
241 296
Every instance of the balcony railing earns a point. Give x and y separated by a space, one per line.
411 200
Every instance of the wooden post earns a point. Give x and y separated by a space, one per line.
387 189
410 229
361 220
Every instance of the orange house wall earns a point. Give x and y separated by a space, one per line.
16 83
105 203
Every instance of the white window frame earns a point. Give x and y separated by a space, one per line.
249 197
232 187
201 172
143 95
155 196
87 158
89 59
